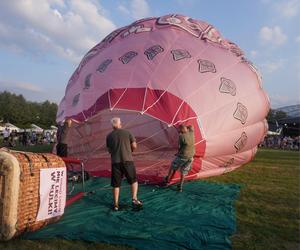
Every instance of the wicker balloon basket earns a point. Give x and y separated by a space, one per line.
19 191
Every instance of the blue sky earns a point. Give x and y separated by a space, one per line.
42 41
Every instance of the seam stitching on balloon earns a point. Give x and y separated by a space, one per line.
94 111
83 115
175 78
144 100
187 119
229 104
146 114
154 134
201 128
109 102
148 151
151 166
119 98
176 113
211 79
157 66
199 142
128 83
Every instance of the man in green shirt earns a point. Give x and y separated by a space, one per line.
184 157
120 144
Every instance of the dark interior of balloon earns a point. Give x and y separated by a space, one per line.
157 143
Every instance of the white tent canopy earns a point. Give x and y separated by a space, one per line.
11 127
36 128
1 128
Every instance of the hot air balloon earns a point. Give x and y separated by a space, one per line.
156 74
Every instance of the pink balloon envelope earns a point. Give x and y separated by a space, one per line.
156 74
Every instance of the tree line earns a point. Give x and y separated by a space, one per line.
22 113
275 115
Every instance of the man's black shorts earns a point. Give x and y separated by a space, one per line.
118 170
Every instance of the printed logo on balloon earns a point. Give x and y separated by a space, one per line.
75 100
127 57
206 66
153 51
103 66
136 29
185 23
227 86
241 142
179 54
87 82
227 165
241 113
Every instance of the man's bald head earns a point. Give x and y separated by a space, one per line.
116 122
182 128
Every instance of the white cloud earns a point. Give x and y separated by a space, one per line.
253 53
65 28
272 36
31 91
288 8
297 39
20 86
136 9
123 9
140 9
280 100
272 66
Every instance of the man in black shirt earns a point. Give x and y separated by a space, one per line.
120 144
62 135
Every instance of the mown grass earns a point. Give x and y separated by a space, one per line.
40 148
268 209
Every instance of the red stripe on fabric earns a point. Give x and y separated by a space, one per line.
74 198
131 99
165 107
158 104
101 103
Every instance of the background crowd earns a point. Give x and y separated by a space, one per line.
281 142
12 138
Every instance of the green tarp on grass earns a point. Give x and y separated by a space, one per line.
201 217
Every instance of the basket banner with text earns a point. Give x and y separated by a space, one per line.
52 193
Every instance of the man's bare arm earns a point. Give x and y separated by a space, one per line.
133 146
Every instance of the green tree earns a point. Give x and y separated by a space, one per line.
275 115
15 109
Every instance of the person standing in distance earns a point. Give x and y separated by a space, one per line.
120 144
62 135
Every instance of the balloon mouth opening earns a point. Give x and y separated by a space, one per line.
151 115
156 140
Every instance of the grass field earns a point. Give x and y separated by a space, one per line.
44 148
268 210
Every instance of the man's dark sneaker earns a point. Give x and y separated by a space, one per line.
165 181
179 188
137 203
